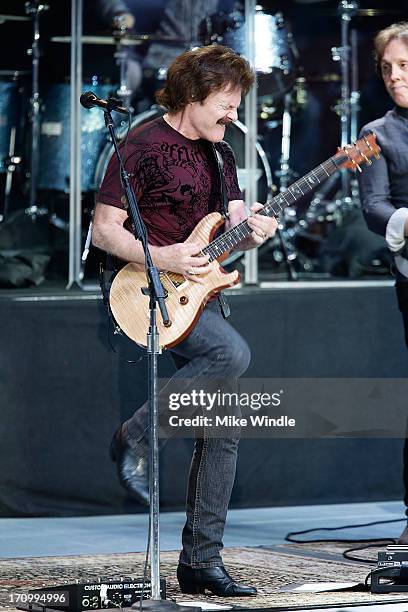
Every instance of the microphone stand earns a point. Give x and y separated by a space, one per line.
157 296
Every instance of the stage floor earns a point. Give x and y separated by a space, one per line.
46 551
41 537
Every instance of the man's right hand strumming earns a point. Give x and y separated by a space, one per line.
109 235
182 258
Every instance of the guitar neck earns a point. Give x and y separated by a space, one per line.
229 240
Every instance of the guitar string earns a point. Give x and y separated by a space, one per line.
228 240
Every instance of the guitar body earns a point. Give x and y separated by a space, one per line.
185 299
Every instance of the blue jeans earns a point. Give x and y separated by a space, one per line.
212 350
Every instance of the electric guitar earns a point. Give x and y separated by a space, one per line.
185 299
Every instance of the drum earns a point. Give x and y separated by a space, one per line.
275 52
10 111
55 137
234 135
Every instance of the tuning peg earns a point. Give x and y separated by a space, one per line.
365 158
367 143
356 166
376 151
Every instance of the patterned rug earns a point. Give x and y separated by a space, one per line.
268 569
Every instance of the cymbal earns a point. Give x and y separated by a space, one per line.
155 38
13 73
377 12
95 40
128 40
367 12
329 77
4 18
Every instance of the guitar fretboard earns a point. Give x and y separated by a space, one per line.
227 241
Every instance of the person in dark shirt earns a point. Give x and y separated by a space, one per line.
383 186
176 180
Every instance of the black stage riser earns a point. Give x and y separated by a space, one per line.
64 392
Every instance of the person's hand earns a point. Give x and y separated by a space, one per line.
183 258
263 227
236 214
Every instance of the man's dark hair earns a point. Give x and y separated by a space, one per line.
195 74
394 31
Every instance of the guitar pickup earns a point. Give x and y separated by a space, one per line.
145 291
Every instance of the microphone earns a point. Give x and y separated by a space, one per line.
89 100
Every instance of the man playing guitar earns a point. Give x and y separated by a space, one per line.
176 178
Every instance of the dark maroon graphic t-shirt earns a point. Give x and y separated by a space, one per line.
175 179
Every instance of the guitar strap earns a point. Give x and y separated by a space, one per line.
222 300
223 189
107 274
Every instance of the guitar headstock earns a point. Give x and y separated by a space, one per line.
361 152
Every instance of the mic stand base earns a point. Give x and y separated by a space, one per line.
163 605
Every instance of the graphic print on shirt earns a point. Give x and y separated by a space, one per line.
177 180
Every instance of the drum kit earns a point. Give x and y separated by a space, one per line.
44 160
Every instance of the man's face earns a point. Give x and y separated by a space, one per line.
394 71
208 118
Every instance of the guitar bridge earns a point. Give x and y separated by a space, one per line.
172 280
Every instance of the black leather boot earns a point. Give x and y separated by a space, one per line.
213 579
133 467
